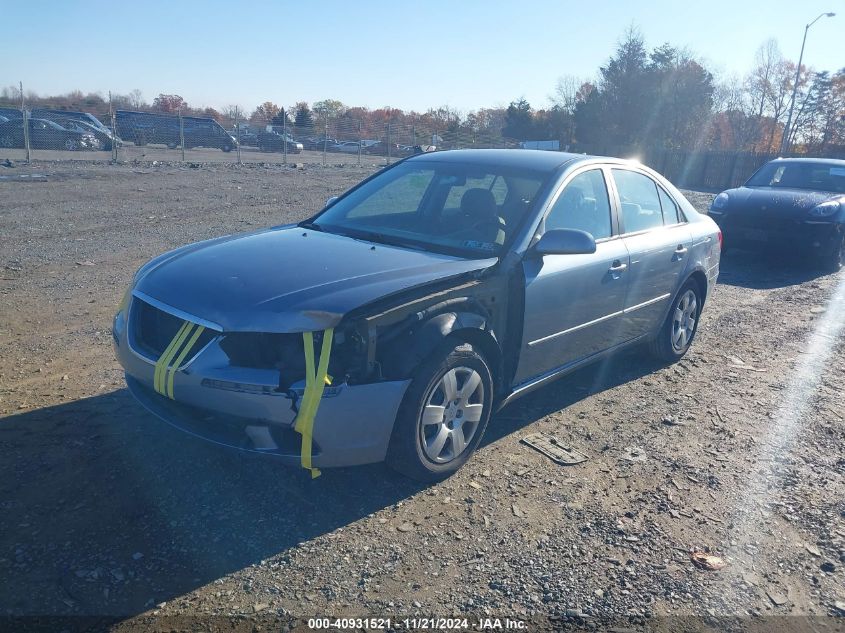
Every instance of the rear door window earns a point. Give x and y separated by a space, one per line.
671 214
640 203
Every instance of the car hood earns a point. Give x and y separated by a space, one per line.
288 279
773 201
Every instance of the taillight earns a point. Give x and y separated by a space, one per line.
720 240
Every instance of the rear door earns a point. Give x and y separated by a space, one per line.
574 303
658 240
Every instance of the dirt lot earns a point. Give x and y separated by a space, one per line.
106 511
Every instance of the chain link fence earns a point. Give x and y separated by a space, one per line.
99 131
102 132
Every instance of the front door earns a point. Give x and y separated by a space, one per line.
574 303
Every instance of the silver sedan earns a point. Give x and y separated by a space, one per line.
394 322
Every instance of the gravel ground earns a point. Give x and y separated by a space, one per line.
737 450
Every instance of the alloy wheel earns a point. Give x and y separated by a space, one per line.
6 141
684 320
71 144
451 415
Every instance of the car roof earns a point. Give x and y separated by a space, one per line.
539 160
534 159
823 161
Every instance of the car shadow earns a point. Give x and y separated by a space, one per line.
766 270
106 511
612 371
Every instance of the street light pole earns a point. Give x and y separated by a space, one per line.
784 143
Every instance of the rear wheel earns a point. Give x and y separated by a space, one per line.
678 331
7 141
835 261
443 415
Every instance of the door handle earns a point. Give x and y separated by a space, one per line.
681 250
618 267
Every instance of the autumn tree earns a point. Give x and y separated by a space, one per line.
169 104
264 113
331 108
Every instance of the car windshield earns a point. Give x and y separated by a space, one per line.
814 176
51 124
463 209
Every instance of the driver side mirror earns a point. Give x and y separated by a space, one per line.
565 242
330 201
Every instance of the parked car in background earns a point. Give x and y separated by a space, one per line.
317 144
396 320
63 115
105 140
144 128
274 142
789 205
245 137
44 134
10 113
346 147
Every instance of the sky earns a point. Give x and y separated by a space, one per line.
412 55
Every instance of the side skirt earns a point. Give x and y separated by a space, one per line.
535 383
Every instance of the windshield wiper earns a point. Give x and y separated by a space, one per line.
311 225
390 240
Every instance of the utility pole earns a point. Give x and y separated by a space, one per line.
787 130
25 126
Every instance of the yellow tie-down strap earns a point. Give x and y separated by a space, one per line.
165 370
315 383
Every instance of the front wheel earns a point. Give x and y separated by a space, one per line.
443 415
678 331
71 144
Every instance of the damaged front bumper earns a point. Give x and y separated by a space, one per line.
242 407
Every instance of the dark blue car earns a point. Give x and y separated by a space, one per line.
790 205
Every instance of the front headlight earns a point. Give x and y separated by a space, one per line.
826 209
720 201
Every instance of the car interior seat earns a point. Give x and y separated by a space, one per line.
481 213
634 217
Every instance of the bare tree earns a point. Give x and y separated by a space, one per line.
568 92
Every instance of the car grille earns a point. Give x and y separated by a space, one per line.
152 330
761 221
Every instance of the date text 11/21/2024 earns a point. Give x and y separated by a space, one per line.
417 623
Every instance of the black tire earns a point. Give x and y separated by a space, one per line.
835 261
407 451
669 345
